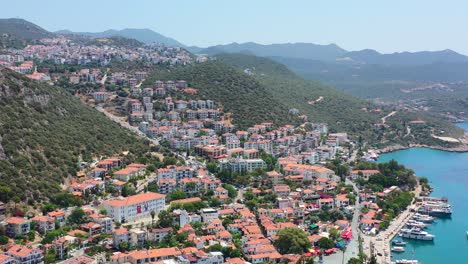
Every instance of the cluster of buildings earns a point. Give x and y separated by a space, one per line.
61 50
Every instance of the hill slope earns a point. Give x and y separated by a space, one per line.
333 53
22 29
249 101
44 132
319 102
342 112
291 50
143 35
270 92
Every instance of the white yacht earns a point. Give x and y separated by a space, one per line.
436 209
417 224
398 249
423 218
406 261
416 233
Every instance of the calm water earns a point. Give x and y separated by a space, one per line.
448 174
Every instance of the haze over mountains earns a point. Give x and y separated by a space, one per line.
23 29
143 35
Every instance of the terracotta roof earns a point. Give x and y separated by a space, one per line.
21 251
134 199
15 220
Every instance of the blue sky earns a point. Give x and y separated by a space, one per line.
384 25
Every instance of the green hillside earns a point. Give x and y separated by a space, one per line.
44 132
248 100
22 29
257 89
342 112
115 41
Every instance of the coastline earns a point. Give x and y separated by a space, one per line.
461 149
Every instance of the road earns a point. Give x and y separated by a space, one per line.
353 245
387 116
352 249
123 122
382 241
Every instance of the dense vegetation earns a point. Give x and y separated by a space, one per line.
115 41
292 241
249 101
391 174
45 132
342 112
22 29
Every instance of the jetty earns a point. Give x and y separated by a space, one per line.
380 244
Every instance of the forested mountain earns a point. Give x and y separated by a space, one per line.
290 50
44 133
143 35
369 56
257 89
334 53
248 100
319 102
22 29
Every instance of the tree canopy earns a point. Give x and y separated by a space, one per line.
292 241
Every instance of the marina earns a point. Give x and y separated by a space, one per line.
447 173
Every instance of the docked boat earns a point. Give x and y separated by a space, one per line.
466 234
423 218
416 224
406 261
416 233
398 242
398 249
436 209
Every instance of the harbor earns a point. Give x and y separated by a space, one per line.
409 225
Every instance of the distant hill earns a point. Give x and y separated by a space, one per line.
333 53
115 41
342 112
43 133
290 50
406 58
267 94
143 35
22 29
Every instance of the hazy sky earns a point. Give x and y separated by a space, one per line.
384 25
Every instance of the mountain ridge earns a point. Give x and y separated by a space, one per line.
22 29
144 35
334 53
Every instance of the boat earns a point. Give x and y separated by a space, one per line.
440 209
466 234
398 242
406 261
417 224
398 249
423 218
416 233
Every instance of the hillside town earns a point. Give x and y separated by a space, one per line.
208 192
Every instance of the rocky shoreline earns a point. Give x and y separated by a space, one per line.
461 148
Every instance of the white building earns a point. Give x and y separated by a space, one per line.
239 165
209 214
135 207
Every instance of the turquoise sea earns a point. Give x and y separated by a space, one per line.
448 175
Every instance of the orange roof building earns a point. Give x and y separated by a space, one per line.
135 207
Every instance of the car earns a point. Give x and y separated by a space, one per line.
379 254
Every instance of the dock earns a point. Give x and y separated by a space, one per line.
381 243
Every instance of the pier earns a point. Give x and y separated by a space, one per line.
381 243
